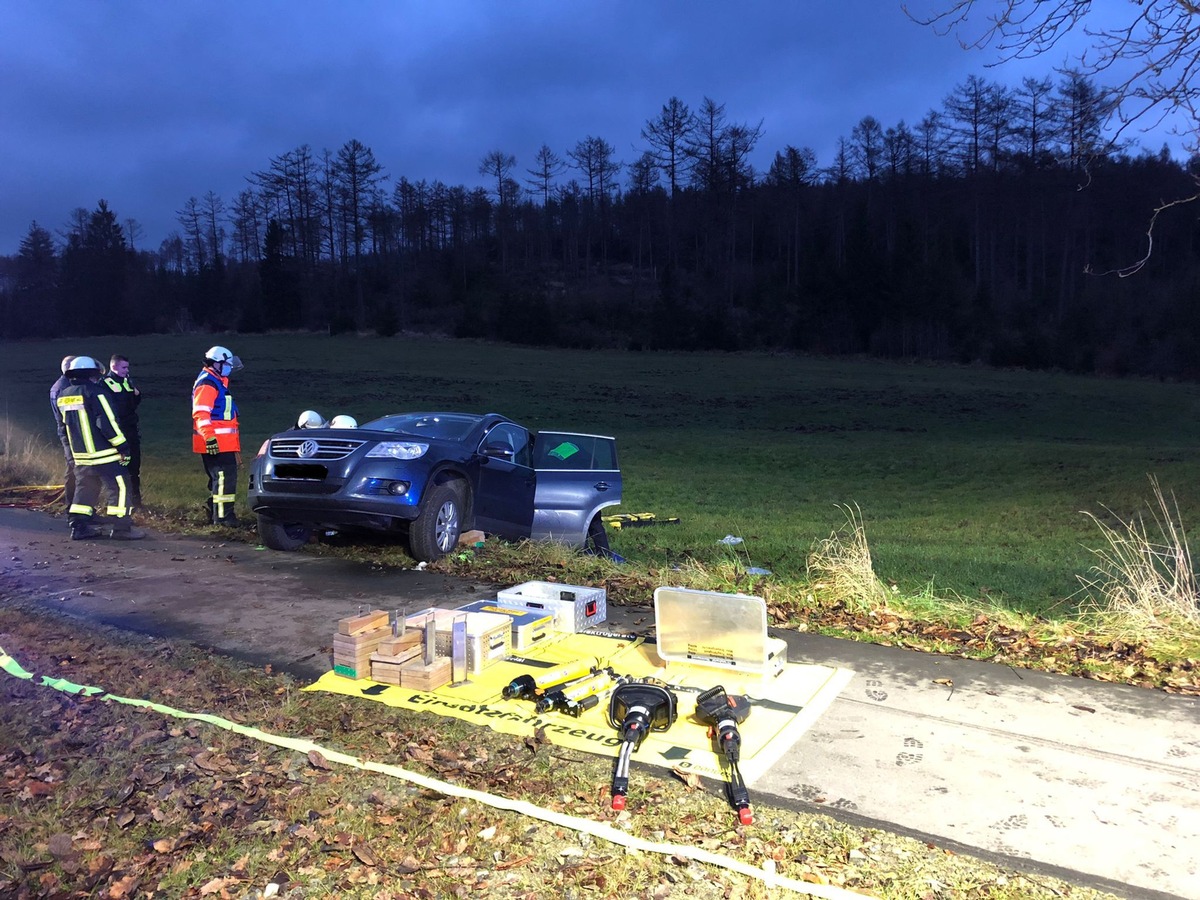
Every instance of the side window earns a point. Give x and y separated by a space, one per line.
516 439
574 452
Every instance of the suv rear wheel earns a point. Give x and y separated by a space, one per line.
280 536
597 539
435 532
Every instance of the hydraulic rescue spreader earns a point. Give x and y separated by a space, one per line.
722 713
636 709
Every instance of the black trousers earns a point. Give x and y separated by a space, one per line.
69 476
222 471
88 481
133 447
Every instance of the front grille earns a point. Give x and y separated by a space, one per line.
322 449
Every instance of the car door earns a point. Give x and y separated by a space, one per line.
504 502
577 476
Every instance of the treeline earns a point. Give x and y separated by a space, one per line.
992 230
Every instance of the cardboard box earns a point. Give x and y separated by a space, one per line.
488 635
574 608
529 626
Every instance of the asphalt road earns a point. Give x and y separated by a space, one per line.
1096 783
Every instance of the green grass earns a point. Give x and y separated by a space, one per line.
972 483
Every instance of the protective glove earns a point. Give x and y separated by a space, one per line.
210 446
125 460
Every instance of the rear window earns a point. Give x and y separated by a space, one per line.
440 426
574 451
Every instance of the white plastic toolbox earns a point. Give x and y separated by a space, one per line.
575 608
488 635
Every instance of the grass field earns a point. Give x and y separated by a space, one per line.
971 483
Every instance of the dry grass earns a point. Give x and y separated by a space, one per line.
840 566
27 459
102 800
1143 578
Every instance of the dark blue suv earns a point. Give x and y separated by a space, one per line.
432 476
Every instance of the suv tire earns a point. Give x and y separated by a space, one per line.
279 536
435 532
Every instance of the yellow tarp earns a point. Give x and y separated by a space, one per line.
782 707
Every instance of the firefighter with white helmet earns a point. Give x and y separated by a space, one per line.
55 389
215 434
99 450
343 421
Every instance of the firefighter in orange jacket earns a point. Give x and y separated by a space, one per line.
215 433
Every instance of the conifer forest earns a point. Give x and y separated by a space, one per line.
1002 229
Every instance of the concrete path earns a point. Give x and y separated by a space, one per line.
1096 783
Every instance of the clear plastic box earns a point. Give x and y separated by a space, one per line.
707 628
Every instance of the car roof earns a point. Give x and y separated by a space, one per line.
437 425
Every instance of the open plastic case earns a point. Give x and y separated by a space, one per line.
726 631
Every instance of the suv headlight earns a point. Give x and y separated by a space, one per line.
397 450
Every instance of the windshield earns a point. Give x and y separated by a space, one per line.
438 426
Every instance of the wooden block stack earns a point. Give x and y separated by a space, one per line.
357 638
385 667
402 642
416 674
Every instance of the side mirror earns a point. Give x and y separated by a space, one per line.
499 451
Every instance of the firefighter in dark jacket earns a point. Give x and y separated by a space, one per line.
125 399
55 389
98 449
215 433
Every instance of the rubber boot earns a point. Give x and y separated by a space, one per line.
85 531
124 531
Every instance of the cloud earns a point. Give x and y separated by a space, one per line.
147 103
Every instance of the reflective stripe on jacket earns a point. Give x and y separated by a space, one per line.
214 414
125 401
91 424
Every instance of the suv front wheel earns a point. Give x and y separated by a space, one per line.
435 532
280 536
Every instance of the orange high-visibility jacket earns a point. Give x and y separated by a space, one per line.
214 414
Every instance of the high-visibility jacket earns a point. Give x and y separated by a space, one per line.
125 400
214 414
92 429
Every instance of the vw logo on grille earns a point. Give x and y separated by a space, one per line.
307 450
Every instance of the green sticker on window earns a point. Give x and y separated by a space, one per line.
564 451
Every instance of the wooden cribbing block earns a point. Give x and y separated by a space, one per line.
426 677
353 625
368 640
386 668
408 639
351 671
352 653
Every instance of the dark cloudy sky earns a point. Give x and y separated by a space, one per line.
145 104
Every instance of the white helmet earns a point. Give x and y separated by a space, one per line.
310 418
343 422
223 360
83 367
66 362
